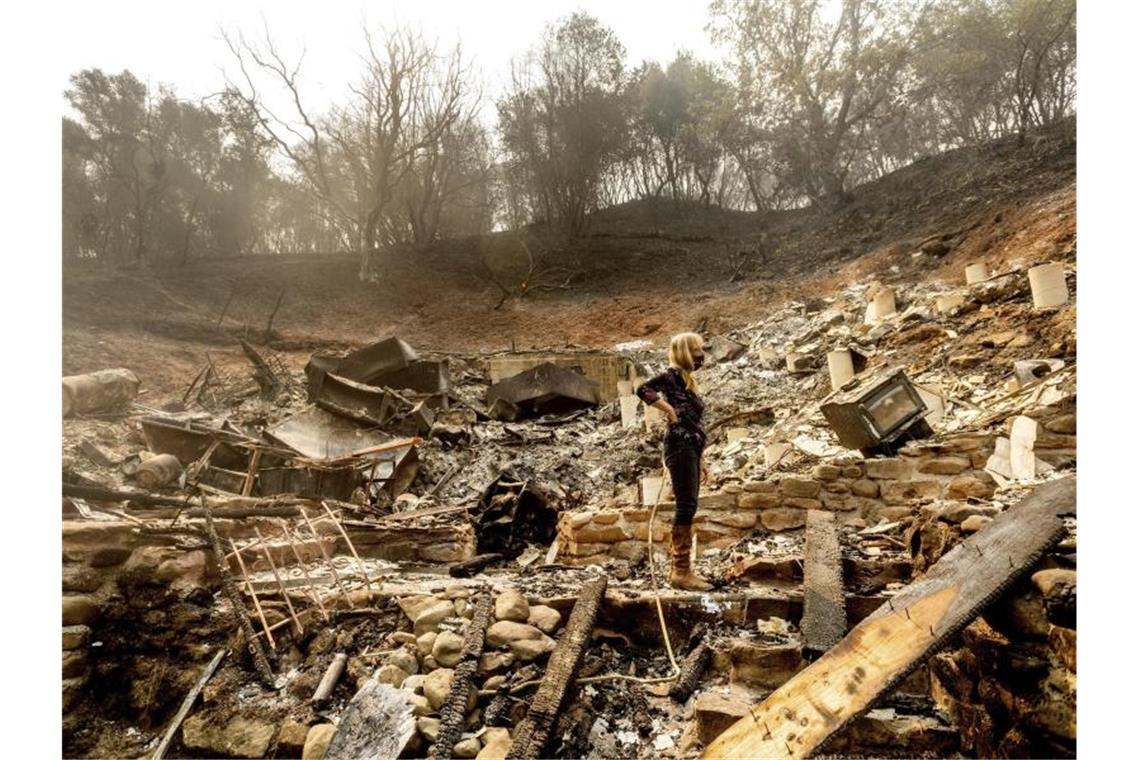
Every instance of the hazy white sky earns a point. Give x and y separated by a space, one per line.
179 43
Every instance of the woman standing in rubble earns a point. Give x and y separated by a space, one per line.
674 392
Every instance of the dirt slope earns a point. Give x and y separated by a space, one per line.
648 269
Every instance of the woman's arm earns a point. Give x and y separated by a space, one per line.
667 408
652 392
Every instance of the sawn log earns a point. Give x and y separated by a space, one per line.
825 617
877 654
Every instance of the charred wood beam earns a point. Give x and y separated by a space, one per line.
237 606
473 566
453 711
498 710
534 730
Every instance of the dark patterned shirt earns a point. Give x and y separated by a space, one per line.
670 385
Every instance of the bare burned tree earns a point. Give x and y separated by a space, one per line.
409 103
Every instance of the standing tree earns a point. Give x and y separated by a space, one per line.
563 124
125 157
1045 53
828 81
354 162
82 230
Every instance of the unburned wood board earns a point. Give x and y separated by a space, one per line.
817 702
825 617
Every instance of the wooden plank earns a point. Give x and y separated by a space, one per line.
187 703
534 730
825 617
879 652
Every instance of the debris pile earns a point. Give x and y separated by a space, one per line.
454 555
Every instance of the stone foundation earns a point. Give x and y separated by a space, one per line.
99 557
860 492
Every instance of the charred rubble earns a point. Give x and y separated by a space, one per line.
455 555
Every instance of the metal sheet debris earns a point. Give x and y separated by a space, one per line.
317 434
546 389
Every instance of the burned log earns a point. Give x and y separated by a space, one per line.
454 708
473 566
533 732
692 669
878 653
498 710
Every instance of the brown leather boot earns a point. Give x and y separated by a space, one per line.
682 575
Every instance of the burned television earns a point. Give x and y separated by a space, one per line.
879 414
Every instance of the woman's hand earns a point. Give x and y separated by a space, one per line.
704 473
666 407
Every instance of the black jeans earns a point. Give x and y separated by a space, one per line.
683 458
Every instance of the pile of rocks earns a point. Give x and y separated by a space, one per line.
423 662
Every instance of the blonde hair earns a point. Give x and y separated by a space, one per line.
681 348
